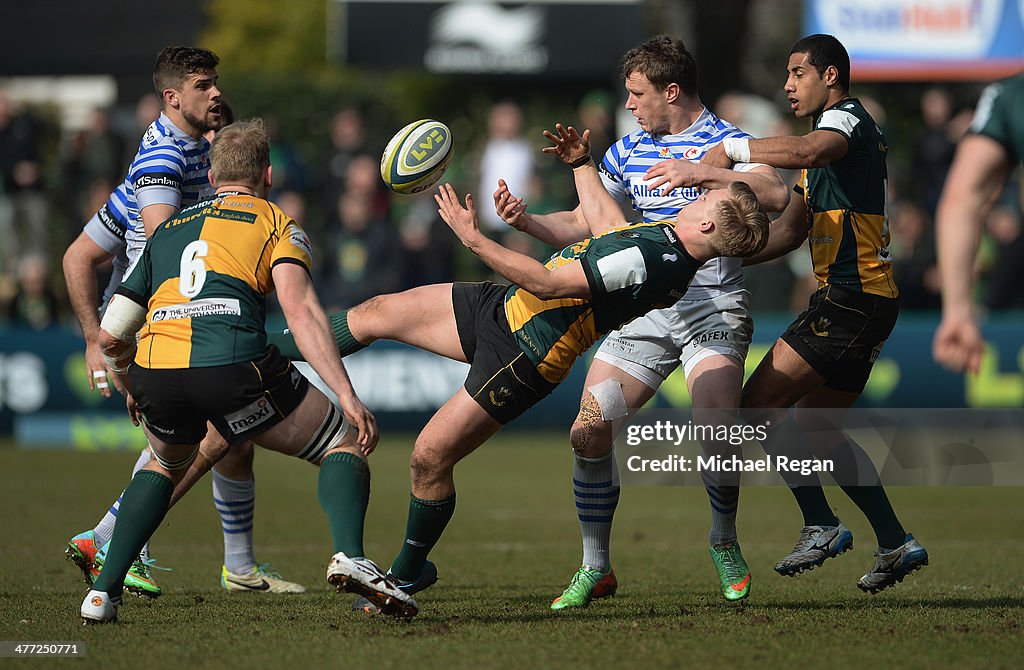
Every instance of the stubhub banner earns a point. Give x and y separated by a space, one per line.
924 39
45 401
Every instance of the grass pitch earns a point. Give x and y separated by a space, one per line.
511 548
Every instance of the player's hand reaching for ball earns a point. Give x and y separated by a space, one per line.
462 220
511 209
569 145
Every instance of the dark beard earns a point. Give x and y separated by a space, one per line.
202 126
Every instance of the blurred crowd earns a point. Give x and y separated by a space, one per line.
369 241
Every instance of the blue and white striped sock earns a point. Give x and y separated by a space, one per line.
596 487
236 504
104 530
724 503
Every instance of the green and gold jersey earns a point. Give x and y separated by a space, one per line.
1000 115
849 228
630 271
203 277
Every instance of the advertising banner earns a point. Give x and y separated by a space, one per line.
484 37
45 397
922 40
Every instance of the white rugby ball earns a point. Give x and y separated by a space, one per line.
416 156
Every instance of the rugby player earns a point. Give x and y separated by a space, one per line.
521 340
169 172
199 286
824 358
982 165
707 331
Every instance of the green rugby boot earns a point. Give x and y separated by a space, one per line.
139 579
586 585
732 570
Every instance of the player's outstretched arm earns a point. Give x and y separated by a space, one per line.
817 148
80 261
558 229
308 324
568 281
600 211
766 183
785 234
980 168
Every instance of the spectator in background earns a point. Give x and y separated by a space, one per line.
290 173
595 115
90 161
348 140
507 155
362 178
24 210
1007 271
935 149
913 253
35 304
363 259
427 246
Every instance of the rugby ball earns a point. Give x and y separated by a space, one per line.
416 156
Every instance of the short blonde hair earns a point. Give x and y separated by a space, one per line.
741 223
240 153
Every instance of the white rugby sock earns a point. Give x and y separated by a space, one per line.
236 504
104 530
596 488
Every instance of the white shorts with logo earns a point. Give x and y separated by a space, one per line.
651 347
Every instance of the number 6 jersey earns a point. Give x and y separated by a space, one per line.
203 278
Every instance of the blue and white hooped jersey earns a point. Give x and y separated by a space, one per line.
622 172
170 169
107 228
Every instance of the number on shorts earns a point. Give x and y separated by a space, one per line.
192 273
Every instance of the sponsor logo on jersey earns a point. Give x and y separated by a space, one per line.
603 169
250 416
691 153
820 239
198 309
672 258
298 238
106 217
168 180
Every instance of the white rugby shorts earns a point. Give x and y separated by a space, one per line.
649 348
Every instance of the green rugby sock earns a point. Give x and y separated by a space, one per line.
343 487
143 507
427 520
864 487
786 438
342 335
285 341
